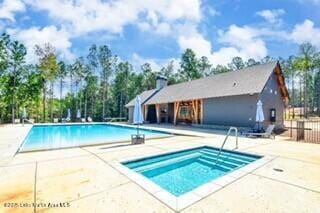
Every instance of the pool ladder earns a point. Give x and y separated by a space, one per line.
225 140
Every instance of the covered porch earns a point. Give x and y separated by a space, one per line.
183 112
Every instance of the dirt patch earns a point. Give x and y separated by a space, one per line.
15 195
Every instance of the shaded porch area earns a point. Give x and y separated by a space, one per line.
180 112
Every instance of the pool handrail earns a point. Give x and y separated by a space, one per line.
225 140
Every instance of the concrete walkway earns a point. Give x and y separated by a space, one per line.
11 137
83 179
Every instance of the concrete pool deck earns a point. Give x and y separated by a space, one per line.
84 180
11 137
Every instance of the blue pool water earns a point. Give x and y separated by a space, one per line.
59 136
183 171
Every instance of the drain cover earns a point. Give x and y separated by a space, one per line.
278 170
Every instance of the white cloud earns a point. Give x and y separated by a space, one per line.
271 16
163 29
197 43
75 18
144 26
156 64
245 42
32 36
212 11
138 60
8 8
178 9
82 16
176 18
306 32
246 39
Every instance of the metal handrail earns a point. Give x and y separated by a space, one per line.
225 140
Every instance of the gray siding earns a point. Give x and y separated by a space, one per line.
241 110
271 98
230 111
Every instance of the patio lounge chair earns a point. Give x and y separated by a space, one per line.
83 120
267 134
17 121
55 120
89 119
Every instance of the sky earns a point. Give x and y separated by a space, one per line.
158 31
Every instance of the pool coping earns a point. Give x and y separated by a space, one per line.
89 145
189 198
169 134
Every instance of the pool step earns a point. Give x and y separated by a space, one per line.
219 161
152 160
226 157
167 162
234 155
237 157
217 166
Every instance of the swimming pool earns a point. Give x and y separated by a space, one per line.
43 137
183 171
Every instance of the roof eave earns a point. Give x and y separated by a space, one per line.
201 98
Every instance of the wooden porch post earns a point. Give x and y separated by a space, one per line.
158 113
145 112
195 108
201 111
176 110
194 111
197 111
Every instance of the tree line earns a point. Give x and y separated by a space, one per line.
99 85
302 74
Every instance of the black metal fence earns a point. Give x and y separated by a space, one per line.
303 130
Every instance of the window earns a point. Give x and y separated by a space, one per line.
185 112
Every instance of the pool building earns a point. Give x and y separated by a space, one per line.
227 99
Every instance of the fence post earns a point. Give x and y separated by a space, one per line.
300 130
290 128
